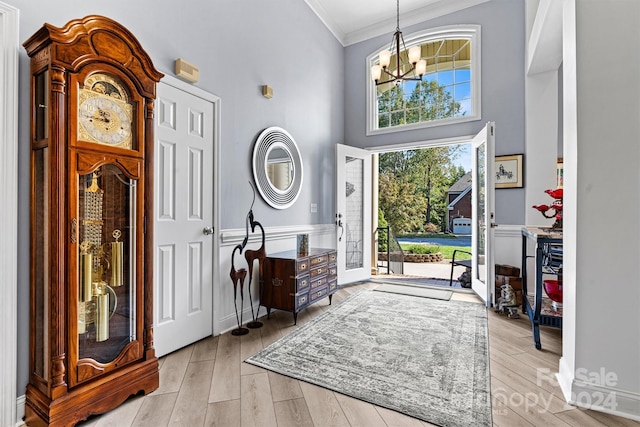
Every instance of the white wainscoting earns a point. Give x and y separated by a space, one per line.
508 239
508 250
278 239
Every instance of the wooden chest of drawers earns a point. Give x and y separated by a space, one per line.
292 282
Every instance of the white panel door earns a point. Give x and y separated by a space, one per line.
353 217
483 208
184 166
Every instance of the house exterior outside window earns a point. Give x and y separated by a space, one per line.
449 91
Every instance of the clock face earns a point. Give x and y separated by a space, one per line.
104 119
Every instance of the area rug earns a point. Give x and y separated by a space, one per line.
415 291
423 357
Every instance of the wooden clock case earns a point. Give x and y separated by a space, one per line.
90 348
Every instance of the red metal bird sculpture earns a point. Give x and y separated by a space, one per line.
557 194
555 209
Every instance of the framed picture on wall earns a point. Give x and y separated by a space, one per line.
508 170
559 173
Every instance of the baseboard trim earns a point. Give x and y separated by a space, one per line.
229 322
622 403
610 400
20 402
565 378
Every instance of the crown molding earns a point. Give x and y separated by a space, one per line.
327 20
416 16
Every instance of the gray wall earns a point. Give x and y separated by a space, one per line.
241 45
503 46
238 46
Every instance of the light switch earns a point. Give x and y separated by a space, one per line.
314 207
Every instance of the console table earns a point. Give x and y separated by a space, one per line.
535 303
292 282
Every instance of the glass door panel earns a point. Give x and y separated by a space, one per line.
353 214
483 213
481 235
353 217
106 267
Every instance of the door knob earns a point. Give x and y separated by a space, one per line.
207 231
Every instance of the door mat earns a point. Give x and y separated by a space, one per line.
415 291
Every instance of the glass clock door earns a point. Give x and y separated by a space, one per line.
106 263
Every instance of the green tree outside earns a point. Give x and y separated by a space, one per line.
413 184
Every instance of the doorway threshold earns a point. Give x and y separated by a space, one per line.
422 282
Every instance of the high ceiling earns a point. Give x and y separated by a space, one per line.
353 21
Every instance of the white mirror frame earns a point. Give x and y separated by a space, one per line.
270 138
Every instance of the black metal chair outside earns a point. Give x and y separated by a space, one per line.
454 262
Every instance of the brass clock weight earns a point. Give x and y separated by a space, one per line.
101 268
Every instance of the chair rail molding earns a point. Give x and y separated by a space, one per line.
233 236
9 46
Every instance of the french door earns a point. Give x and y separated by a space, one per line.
483 208
353 217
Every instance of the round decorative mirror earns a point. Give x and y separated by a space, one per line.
277 167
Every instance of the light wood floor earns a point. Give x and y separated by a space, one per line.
207 384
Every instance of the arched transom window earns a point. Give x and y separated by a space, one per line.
447 92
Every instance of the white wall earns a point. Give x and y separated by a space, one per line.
602 204
9 212
541 142
543 58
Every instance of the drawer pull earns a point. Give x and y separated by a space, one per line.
319 270
303 266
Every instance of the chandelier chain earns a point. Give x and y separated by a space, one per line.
414 64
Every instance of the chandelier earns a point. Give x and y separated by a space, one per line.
416 67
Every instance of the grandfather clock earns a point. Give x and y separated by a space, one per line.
91 331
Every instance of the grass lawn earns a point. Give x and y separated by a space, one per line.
427 235
447 251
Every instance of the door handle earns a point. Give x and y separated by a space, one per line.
207 231
339 224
